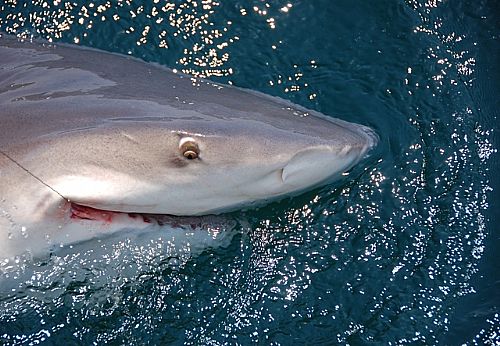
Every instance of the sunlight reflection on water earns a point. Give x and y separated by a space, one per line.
383 256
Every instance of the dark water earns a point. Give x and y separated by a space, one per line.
403 251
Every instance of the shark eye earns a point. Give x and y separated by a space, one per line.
188 148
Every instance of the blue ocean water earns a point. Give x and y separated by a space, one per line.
401 252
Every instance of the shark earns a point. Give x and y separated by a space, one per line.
92 142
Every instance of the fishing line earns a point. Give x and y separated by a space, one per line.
34 176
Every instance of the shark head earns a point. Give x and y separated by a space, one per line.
91 140
196 168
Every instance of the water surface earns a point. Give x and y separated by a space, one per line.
402 251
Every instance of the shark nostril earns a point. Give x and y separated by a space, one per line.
281 171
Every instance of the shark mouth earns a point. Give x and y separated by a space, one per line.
81 212
87 213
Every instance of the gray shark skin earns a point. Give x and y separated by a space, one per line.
90 141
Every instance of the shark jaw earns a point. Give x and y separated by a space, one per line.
81 213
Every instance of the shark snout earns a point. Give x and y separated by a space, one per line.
316 164
369 138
